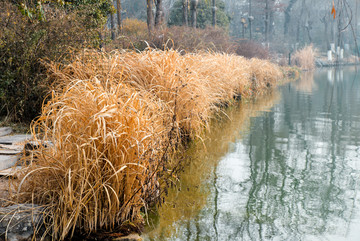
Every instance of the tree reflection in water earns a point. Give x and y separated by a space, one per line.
293 176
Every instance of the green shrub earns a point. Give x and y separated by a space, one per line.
24 42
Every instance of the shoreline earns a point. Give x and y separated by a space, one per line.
194 89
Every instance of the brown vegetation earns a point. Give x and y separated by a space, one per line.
186 39
305 58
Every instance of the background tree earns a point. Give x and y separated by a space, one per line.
204 16
150 15
193 12
112 25
159 15
118 13
287 15
185 7
214 12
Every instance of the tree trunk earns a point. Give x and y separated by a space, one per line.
288 16
118 11
271 26
308 28
150 15
356 18
193 11
214 13
101 40
339 25
185 12
300 22
266 20
159 16
325 21
112 26
250 19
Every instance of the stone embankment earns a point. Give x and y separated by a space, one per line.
17 222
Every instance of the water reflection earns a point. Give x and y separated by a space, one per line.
335 74
306 82
293 176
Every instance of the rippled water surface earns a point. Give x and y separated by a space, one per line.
285 167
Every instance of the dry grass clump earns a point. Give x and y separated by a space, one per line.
113 120
108 144
227 75
265 74
305 58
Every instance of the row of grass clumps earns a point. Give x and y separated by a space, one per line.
114 119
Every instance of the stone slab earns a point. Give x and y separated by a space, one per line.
10 172
6 151
5 131
12 147
15 139
7 161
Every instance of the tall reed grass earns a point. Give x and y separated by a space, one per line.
114 119
305 58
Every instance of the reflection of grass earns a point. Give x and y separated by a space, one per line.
115 119
190 195
306 82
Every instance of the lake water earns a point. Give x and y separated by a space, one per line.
283 167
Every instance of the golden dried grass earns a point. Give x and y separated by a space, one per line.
114 118
305 58
264 74
100 169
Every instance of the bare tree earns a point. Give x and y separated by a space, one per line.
250 19
325 20
288 16
118 11
300 22
267 20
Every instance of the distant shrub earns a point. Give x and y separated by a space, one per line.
186 39
251 49
134 27
190 39
304 58
133 36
